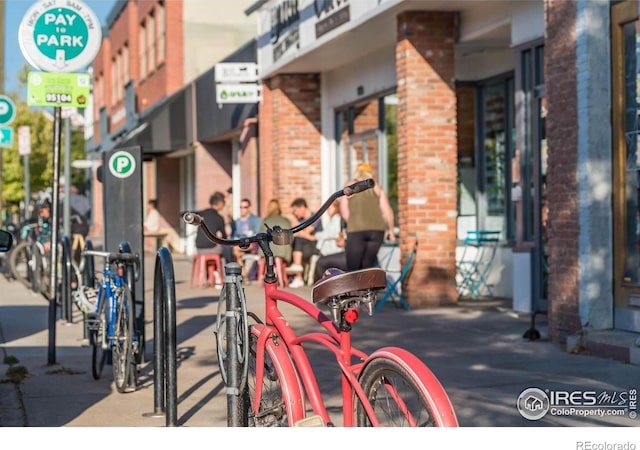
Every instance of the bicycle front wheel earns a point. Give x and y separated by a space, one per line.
124 372
96 323
20 263
280 401
403 392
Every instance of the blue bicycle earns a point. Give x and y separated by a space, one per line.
110 325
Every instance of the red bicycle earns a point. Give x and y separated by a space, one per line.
268 374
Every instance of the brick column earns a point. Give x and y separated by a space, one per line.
289 128
562 179
427 153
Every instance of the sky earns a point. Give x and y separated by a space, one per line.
14 13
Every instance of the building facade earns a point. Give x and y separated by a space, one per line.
154 64
512 116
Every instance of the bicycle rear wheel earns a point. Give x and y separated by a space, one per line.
124 371
280 403
401 398
96 322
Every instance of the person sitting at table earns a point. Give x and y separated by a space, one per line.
156 226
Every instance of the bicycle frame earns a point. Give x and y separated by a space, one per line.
111 281
335 340
295 373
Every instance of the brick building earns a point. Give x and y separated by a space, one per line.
514 116
153 85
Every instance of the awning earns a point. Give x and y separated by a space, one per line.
165 127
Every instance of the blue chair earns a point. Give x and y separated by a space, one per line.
395 277
473 267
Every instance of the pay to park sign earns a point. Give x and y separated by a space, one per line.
60 35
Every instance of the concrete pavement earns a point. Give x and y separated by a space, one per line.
476 349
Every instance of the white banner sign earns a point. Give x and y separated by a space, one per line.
236 72
238 93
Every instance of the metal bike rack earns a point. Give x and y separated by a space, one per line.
165 378
65 288
88 280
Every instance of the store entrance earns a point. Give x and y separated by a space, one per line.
625 82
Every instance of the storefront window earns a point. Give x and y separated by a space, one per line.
632 166
484 179
367 132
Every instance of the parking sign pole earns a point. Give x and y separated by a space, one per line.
55 214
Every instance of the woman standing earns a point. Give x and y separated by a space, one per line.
369 217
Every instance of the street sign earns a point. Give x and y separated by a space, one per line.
238 93
6 137
60 35
236 72
7 110
58 89
24 140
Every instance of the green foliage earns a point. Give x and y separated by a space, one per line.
15 374
40 122
10 360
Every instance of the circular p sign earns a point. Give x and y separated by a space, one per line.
60 37
7 110
122 164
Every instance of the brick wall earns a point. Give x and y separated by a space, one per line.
213 170
248 161
168 77
427 152
290 139
560 82
168 194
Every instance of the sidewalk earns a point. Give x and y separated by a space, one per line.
476 349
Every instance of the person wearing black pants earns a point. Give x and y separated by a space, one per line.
369 217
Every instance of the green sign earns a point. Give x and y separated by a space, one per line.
7 110
58 89
122 164
60 35
6 137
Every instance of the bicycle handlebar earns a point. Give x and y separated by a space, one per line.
278 235
113 256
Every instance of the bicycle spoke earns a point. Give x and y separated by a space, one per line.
122 347
394 396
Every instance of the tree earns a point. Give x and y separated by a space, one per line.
40 122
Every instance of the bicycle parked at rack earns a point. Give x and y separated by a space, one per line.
30 262
110 324
27 259
266 368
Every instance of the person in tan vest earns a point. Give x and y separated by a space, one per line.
369 218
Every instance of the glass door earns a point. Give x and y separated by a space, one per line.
625 85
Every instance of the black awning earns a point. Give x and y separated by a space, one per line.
165 127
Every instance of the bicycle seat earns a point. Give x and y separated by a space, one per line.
336 283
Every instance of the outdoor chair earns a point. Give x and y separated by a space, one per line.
395 275
474 265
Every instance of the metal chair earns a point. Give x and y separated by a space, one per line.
473 267
395 277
